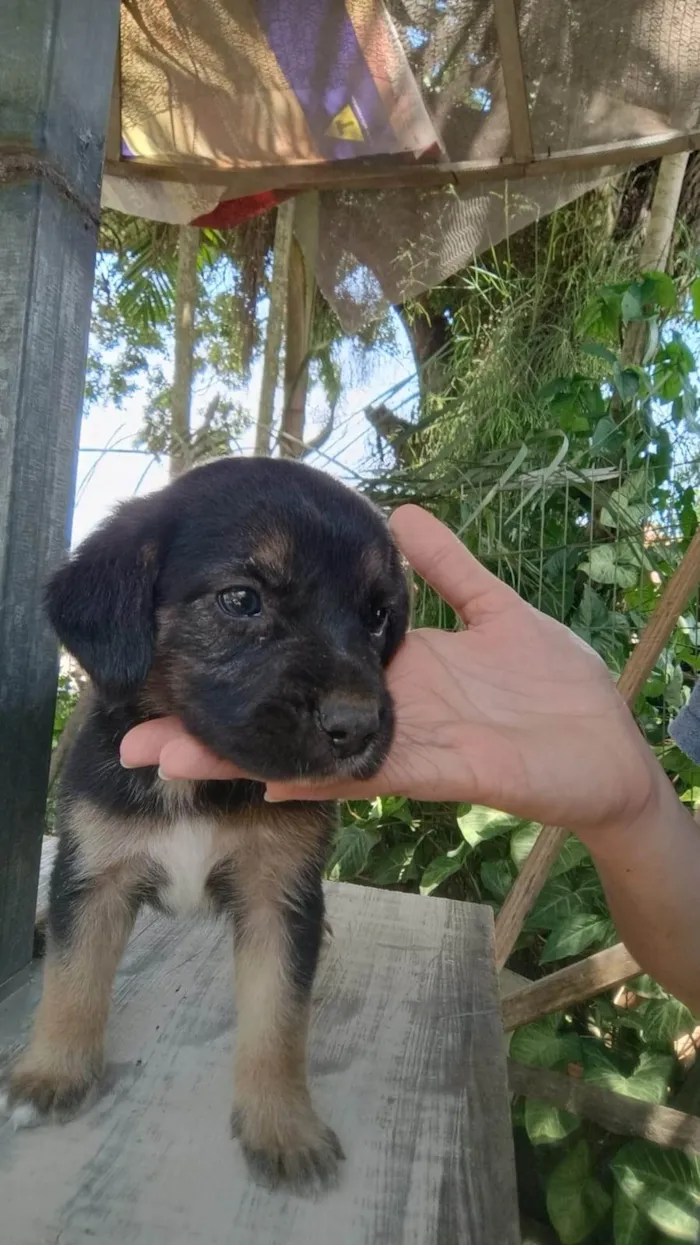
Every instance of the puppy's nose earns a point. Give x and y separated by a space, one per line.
350 724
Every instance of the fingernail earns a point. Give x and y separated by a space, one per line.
125 764
163 777
271 799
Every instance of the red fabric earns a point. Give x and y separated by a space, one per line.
233 212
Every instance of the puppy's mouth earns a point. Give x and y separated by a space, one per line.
276 761
361 766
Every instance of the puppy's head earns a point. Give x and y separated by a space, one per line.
259 601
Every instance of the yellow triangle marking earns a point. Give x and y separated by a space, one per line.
346 126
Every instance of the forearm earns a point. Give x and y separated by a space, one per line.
650 870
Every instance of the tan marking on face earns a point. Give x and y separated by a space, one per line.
373 562
273 553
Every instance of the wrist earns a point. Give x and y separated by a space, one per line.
645 818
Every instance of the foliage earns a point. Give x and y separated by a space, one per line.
589 535
132 328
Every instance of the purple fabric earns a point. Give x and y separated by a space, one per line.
685 730
323 62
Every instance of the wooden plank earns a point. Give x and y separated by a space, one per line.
567 986
55 68
533 875
387 174
628 1116
508 35
407 1064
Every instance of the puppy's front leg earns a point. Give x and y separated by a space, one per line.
89 922
278 931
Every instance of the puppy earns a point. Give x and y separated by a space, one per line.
259 601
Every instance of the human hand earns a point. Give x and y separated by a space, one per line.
515 712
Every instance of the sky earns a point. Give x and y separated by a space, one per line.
109 471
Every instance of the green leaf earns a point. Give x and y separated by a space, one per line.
598 352
573 936
630 1226
522 843
542 1046
606 437
393 866
664 1020
646 986
576 1200
497 877
660 289
664 1185
648 1082
695 297
442 867
592 610
626 509
545 1124
605 566
480 824
351 852
560 899
631 304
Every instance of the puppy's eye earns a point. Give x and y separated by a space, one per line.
240 602
378 619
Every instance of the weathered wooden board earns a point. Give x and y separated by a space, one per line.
407 1065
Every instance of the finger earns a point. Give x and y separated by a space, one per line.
281 792
184 757
143 744
387 782
444 562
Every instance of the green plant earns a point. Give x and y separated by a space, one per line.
587 518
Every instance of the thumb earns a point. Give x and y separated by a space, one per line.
444 562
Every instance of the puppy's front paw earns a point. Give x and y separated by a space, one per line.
34 1094
287 1146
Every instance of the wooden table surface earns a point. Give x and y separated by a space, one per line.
407 1065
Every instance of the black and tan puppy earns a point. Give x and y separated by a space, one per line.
259 601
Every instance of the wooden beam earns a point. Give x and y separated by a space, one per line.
619 1114
56 63
570 985
533 875
385 173
508 35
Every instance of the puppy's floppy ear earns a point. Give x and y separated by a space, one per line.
101 603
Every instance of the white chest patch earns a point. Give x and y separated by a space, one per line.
186 852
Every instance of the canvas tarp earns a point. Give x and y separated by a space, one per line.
265 90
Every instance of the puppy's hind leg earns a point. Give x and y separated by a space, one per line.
89 922
277 945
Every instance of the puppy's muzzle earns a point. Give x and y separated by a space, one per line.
350 724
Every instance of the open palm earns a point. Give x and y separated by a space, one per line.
514 711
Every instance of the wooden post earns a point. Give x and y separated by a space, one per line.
56 69
505 13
